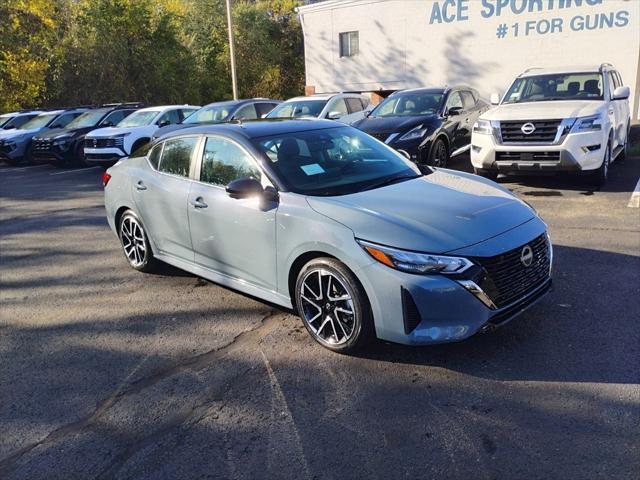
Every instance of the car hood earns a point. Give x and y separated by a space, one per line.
111 131
544 110
392 124
58 132
19 132
436 213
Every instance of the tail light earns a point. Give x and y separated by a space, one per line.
105 178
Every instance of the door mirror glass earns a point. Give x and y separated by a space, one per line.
244 187
334 115
163 123
495 99
453 111
107 123
621 93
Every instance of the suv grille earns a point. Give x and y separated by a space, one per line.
104 142
528 156
545 131
507 278
42 145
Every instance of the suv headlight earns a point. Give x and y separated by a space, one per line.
592 123
483 126
417 132
414 262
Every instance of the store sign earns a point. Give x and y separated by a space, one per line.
449 11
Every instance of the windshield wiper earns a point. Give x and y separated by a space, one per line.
391 181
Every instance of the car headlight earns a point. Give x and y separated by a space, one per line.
483 126
592 123
417 132
414 262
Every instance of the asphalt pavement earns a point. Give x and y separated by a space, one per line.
107 373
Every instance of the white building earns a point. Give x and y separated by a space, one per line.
379 46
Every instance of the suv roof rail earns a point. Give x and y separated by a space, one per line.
124 104
604 65
532 68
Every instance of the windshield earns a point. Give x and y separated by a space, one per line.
5 119
139 118
334 161
298 109
566 86
409 104
40 121
210 114
88 119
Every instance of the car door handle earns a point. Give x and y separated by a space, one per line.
198 203
140 186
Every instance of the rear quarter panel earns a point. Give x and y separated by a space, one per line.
119 191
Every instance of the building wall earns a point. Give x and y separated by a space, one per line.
412 43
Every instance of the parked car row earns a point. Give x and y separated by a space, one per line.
553 120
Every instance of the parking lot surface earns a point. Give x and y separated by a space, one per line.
109 373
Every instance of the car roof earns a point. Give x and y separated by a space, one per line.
534 71
321 96
259 128
162 108
427 90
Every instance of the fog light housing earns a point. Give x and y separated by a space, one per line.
475 148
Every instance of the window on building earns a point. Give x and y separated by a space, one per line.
349 44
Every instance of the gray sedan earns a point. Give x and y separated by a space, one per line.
328 220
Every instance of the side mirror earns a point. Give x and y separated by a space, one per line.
163 123
108 123
621 93
244 187
10 127
453 111
404 153
56 125
334 115
495 99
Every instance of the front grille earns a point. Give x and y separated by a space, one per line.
42 145
507 279
545 131
104 142
528 156
380 136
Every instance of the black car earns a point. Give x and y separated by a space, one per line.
66 145
223 112
430 124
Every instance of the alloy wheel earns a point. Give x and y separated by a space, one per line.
440 155
133 241
327 307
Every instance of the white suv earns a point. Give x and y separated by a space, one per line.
105 146
553 120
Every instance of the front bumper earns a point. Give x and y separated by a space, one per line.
12 151
103 156
578 152
430 309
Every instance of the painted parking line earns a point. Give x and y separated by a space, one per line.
75 170
634 201
19 169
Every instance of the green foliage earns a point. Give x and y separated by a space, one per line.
64 52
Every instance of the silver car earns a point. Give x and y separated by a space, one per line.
325 219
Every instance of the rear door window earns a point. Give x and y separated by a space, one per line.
264 108
338 105
176 156
246 112
154 155
354 105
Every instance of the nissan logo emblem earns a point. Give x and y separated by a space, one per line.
528 128
526 257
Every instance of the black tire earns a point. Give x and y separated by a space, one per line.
79 155
342 332
135 243
439 154
490 174
599 177
625 151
